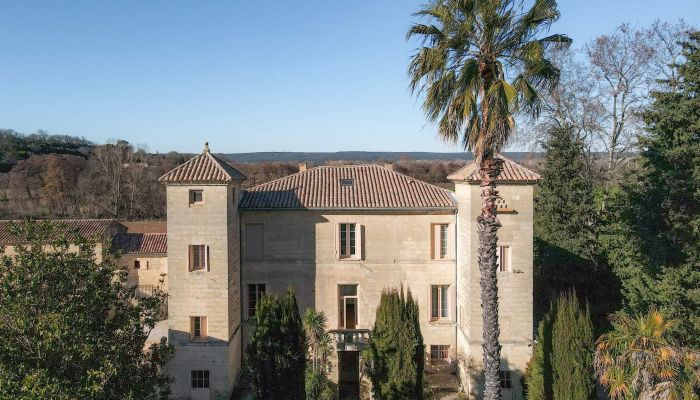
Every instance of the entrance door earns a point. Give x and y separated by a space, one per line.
349 375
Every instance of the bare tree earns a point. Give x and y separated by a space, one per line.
111 161
604 86
136 178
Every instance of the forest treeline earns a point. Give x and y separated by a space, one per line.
59 176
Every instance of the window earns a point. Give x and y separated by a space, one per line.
346 182
199 257
137 264
503 258
439 353
347 306
439 302
200 378
198 328
196 197
254 234
441 242
348 243
255 294
506 380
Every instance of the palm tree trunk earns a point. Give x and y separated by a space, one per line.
487 228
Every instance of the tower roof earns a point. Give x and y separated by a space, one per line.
512 173
204 168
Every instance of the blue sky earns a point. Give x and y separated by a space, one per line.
305 75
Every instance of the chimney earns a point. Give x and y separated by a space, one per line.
303 167
389 166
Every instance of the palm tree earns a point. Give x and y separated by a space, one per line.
480 64
637 360
319 340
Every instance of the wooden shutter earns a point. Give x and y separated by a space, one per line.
206 259
359 238
337 241
452 241
190 258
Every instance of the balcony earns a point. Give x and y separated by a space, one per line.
350 339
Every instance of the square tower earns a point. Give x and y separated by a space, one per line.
204 312
515 276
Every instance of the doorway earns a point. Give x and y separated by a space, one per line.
349 375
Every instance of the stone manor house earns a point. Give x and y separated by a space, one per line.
339 235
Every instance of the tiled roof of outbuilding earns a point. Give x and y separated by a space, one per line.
133 243
363 187
89 228
512 173
204 168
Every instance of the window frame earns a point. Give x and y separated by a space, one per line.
504 263
349 242
443 303
342 305
505 379
199 382
203 257
258 297
441 350
200 320
191 197
444 233
442 241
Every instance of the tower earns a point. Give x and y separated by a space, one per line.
204 311
515 275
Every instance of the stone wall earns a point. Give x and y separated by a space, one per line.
515 286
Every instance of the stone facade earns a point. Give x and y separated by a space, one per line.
515 286
288 233
211 292
300 249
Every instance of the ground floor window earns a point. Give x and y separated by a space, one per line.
506 380
255 294
439 353
200 378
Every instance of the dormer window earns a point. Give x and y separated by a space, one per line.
196 197
346 182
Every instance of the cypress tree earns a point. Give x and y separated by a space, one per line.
395 352
567 255
538 375
562 362
565 206
572 351
276 354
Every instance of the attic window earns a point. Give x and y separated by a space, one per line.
346 182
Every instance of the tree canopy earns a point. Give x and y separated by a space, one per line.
71 326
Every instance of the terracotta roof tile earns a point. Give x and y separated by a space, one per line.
133 243
89 228
512 173
204 168
362 186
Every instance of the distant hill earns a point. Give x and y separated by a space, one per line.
321 157
15 146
